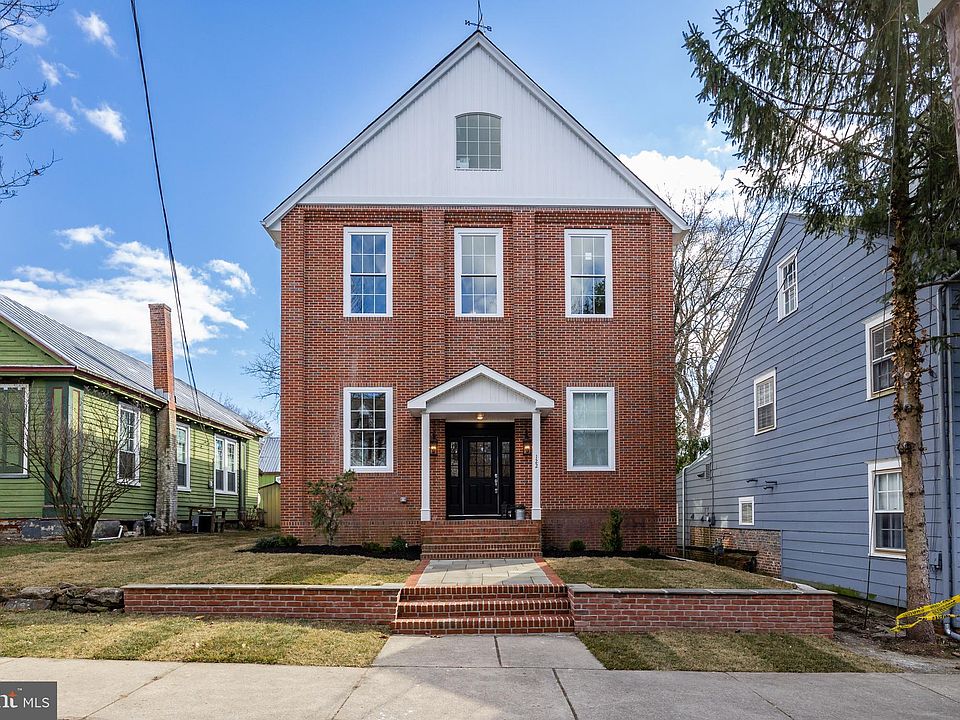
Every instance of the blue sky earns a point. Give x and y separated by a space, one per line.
250 99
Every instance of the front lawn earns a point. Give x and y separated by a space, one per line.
123 637
187 559
640 573
725 652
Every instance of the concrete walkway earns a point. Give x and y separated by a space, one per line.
481 678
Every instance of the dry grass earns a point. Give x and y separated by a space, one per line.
726 652
638 573
188 559
124 637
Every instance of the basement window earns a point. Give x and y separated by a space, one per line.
478 141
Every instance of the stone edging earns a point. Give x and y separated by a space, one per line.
73 598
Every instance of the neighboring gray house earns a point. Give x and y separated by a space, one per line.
803 465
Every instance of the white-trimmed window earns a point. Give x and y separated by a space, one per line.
183 457
787 297
14 411
886 508
478 141
368 271
588 259
226 458
765 402
128 441
368 429
745 514
879 341
478 257
590 428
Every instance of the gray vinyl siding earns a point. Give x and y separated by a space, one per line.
826 429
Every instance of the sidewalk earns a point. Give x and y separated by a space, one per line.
477 677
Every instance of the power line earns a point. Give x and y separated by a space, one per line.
166 222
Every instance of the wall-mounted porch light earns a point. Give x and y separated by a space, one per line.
527 447
434 448
480 417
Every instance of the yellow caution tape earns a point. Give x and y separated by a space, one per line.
935 611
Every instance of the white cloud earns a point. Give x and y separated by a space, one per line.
52 71
95 29
60 116
85 235
234 276
104 118
30 32
113 309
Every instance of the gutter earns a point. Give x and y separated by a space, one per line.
947 453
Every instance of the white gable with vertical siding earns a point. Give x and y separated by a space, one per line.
408 155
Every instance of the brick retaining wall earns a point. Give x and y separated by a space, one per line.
798 612
373 605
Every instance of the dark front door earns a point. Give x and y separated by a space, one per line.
479 469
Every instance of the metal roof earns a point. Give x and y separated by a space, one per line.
270 454
93 357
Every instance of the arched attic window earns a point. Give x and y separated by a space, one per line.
478 141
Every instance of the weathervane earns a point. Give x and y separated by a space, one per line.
479 23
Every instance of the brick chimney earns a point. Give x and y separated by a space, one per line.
161 342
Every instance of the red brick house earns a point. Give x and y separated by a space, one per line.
477 315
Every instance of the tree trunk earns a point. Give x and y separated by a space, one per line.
908 413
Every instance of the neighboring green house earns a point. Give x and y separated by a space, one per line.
47 368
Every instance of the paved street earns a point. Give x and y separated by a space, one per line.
551 677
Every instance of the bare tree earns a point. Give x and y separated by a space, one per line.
256 417
84 465
17 110
265 367
713 266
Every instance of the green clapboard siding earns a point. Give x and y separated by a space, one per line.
252 472
16 350
22 496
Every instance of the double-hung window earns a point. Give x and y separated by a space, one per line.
787 296
879 340
368 429
14 403
589 284
590 428
368 272
886 508
478 256
765 402
225 465
128 441
183 457
745 514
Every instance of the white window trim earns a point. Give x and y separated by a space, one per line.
868 326
874 467
347 391
26 422
611 430
791 257
347 232
187 487
753 511
138 432
607 236
226 441
756 381
458 234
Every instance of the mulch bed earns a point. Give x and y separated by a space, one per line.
411 552
645 553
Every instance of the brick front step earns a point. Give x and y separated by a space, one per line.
486 608
473 625
481 592
459 551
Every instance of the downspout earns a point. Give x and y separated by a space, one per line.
946 372
683 512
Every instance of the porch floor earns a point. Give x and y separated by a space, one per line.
483 571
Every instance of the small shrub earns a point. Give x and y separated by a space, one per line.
276 541
332 500
611 537
577 545
398 544
374 548
645 551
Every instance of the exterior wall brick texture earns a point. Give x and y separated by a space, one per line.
766 543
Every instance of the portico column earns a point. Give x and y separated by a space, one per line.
535 510
425 466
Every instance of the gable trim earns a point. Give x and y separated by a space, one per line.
419 404
272 222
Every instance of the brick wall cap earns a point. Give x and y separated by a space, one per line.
335 588
587 589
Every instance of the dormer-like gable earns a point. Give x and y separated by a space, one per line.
476 130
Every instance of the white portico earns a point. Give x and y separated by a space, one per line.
479 396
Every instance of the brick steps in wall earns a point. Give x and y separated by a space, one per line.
457 539
484 609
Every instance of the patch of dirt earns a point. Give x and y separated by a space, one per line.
411 552
866 629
